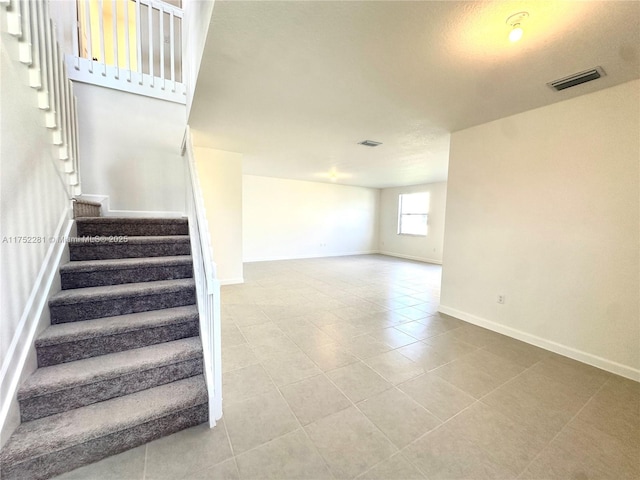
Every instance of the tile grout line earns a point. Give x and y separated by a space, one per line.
355 405
563 427
363 361
444 422
277 387
300 426
323 373
233 455
360 360
144 468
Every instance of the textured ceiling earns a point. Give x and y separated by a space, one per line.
293 86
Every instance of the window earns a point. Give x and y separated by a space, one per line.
413 213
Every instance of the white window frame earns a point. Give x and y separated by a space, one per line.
402 214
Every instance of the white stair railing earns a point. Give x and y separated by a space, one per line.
30 23
130 45
207 285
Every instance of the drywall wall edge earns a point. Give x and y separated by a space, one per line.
33 316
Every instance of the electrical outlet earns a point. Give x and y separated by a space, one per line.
500 299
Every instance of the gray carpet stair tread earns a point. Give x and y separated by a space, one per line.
124 263
134 221
73 331
131 240
96 369
87 202
94 294
63 430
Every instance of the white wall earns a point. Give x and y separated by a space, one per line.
543 208
197 16
220 177
426 249
64 15
297 219
130 149
33 203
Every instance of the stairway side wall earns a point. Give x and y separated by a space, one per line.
33 209
130 150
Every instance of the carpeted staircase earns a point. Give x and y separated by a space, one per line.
121 363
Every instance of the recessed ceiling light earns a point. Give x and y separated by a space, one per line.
515 22
369 143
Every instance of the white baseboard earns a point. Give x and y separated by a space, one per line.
580 355
315 255
31 318
411 257
107 211
232 281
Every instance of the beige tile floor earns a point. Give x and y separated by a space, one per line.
342 368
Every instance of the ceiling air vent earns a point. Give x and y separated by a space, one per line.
369 143
577 79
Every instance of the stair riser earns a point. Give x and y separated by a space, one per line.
108 251
99 278
61 461
131 229
62 401
121 306
92 347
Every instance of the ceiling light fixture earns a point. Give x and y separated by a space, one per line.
515 22
333 175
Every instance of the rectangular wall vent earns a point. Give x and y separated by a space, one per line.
577 79
369 143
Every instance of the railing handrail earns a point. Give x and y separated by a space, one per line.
203 224
207 285
100 60
29 21
166 7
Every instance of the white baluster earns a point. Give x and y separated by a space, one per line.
51 115
172 47
35 81
103 57
114 18
43 93
161 35
76 34
14 18
58 129
139 39
150 18
126 40
25 46
74 145
89 33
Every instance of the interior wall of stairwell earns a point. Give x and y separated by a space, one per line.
33 208
130 151
197 16
543 208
